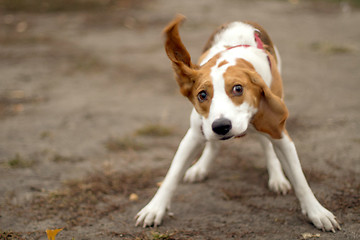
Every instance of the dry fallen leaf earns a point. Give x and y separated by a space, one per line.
133 197
310 235
52 233
17 94
21 26
18 108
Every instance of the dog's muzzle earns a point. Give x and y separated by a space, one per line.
221 126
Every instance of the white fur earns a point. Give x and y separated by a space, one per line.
236 33
277 180
200 131
189 147
199 171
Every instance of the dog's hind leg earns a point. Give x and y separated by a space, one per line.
310 206
277 180
199 171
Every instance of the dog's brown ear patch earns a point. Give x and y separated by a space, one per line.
272 112
174 47
185 70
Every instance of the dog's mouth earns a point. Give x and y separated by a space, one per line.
233 136
227 137
241 135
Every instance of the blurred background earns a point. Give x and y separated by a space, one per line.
90 117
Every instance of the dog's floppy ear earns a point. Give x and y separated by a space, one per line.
272 112
179 56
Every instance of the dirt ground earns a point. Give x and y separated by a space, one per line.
90 114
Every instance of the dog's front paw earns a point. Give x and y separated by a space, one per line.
196 173
321 217
151 215
279 185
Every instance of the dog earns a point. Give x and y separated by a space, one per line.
236 88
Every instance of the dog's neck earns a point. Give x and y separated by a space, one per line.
259 45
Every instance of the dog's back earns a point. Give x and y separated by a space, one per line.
234 34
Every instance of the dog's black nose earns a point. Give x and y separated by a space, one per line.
221 126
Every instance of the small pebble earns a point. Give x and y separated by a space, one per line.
133 197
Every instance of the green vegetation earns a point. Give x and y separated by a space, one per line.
155 130
331 48
60 158
114 144
19 162
161 236
123 144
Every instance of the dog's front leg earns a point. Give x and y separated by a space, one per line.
154 211
310 206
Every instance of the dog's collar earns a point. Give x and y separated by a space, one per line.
259 45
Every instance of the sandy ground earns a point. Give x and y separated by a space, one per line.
90 113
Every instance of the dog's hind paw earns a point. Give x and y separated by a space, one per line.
196 173
279 185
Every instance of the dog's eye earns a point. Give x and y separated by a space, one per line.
237 90
202 96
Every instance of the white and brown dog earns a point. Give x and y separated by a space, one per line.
235 89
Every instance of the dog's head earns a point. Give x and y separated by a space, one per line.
227 92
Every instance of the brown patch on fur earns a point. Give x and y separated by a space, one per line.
174 47
183 67
204 83
272 112
237 75
222 63
191 78
203 108
203 56
276 82
210 42
264 36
